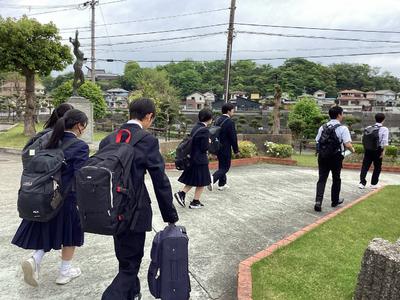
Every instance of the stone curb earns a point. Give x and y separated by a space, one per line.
10 151
244 289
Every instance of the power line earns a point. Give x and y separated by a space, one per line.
164 39
30 7
152 19
258 59
318 37
317 28
109 40
156 32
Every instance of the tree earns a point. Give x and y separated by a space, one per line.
307 110
30 48
277 100
88 90
131 77
297 128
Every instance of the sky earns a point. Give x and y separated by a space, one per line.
381 15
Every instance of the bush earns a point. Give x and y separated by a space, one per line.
247 149
359 149
278 150
391 151
170 156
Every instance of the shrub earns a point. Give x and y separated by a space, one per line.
391 151
359 149
278 150
247 149
170 156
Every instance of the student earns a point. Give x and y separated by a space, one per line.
198 174
228 139
64 230
129 245
375 156
51 122
332 163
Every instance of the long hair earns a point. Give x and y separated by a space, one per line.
67 122
58 113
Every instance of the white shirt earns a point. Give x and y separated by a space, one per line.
135 122
342 133
383 135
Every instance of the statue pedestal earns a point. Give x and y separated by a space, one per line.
87 107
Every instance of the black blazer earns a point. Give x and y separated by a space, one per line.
148 158
200 144
228 135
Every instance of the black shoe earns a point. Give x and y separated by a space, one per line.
317 206
196 204
340 201
180 198
137 296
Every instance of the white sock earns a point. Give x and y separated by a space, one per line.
65 266
38 256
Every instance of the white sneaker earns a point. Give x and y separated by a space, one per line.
67 276
361 186
223 188
31 272
210 187
374 186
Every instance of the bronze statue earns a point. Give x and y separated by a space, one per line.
78 76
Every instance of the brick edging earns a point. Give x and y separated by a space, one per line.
244 287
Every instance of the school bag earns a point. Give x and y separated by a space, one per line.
370 139
41 194
215 144
184 152
106 198
168 274
38 142
329 143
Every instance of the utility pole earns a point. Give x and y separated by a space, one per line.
93 4
229 50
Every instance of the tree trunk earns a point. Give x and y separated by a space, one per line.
29 117
277 121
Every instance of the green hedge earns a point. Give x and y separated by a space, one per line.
278 150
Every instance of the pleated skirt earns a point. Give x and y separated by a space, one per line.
196 175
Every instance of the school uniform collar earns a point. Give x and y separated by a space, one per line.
226 115
70 133
202 124
378 124
334 121
136 122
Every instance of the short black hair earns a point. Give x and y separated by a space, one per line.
335 111
227 107
138 109
205 115
379 117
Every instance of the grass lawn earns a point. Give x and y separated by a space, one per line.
305 160
324 264
14 138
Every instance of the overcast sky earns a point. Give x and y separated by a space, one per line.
346 14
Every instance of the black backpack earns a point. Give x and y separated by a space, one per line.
40 197
215 144
168 275
106 198
184 152
38 142
370 138
329 143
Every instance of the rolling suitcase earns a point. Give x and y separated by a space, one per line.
168 275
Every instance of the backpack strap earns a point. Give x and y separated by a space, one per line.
197 131
69 143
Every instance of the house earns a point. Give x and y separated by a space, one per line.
319 94
12 87
241 104
116 98
385 98
255 97
209 98
101 75
235 95
355 100
195 101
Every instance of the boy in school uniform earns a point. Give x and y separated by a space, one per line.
375 156
129 245
334 163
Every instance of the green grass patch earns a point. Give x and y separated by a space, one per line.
306 160
324 264
99 135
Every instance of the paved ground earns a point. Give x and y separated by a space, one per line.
265 203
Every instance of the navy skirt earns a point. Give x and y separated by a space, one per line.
196 175
63 230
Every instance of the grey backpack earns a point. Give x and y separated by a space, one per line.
40 197
35 144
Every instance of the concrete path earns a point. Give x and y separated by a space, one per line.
265 203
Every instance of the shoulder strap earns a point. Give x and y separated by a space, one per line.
138 136
197 131
224 121
69 143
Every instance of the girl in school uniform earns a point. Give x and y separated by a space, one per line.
198 174
64 230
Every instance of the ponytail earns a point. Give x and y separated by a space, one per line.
57 134
57 113
67 122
